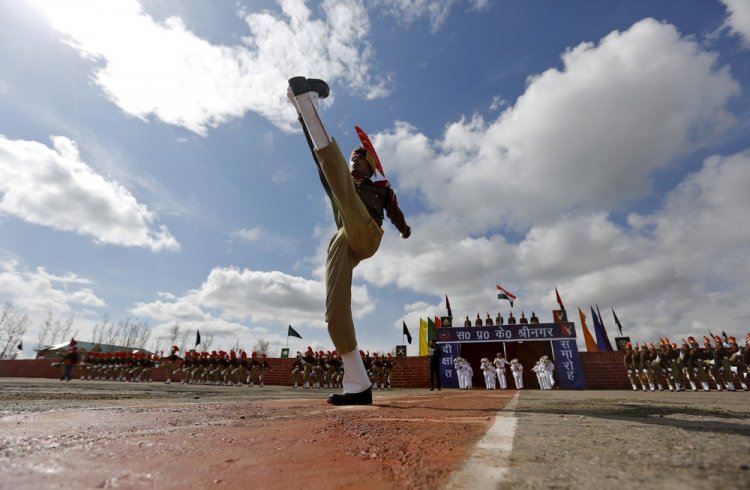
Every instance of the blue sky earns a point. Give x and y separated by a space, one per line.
152 168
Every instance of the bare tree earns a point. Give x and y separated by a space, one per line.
261 346
13 326
99 334
183 341
111 332
207 341
157 348
43 336
54 330
174 332
236 346
133 333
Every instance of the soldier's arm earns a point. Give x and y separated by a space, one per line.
395 214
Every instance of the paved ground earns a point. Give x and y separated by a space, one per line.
122 435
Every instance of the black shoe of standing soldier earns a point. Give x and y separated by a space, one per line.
362 398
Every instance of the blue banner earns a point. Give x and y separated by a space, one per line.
448 377
507 333
568 365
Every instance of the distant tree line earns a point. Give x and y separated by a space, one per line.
131 333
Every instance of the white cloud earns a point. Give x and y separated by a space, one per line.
436 11
249 234
163 69
53 187
738 19
585 138
38 292
230 300
576 146
265 239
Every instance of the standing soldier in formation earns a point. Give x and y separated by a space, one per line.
500 362
488 321
488 371
541 374
467 322
499 319
434 356
517 369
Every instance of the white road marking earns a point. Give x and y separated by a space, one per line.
487 466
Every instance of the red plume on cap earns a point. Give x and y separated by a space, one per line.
175 348
371 153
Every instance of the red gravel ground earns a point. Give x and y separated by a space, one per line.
406 439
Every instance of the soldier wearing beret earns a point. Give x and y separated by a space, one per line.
358 205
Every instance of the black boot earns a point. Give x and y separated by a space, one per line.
361 398
302 85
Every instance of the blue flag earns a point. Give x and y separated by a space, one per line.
601 336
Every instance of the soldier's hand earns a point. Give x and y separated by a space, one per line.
407 233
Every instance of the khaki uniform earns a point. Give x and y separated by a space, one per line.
358 212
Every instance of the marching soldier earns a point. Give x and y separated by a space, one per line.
646 366
387 370
252 365
737 363
296 370
69 361
629 360
308 361
376 368
169 362
262 366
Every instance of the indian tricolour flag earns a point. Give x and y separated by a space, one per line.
505 294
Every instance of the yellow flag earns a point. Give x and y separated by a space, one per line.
590 342
422 337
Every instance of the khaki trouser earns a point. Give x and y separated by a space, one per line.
358 238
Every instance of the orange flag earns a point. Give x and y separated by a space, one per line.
590 342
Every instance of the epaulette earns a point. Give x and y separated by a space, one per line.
382 183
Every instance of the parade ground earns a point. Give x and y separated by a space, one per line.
88 434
